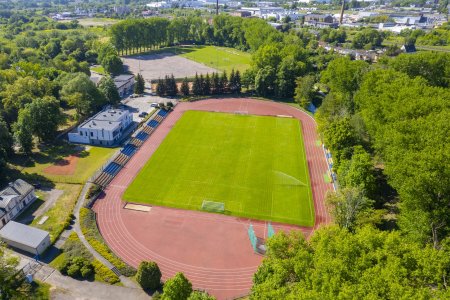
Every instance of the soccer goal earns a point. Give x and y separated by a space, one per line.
212 206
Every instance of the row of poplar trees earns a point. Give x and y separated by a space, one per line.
202 85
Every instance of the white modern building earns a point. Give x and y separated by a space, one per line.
105 128
15 199
26 238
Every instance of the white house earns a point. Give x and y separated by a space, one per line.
105 128
14 199
124 84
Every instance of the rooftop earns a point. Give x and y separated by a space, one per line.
23 234
107 119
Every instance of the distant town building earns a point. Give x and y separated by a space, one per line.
320 21
15 199
26 238
107 128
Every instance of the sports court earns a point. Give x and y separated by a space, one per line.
213 250
243 165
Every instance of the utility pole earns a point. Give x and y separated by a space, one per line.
342 12
217 7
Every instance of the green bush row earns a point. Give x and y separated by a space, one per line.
93 236
103 273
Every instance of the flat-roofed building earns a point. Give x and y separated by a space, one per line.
26 238
105 128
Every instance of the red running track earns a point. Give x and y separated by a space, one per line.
212 250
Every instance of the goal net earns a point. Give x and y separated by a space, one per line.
212 206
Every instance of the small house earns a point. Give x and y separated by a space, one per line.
14 199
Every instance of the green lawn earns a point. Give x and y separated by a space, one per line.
219 58
256 165
90 159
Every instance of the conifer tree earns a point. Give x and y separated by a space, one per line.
231 82
215 84
207 85
237 80
223 82
139 86
196 86
160 87
202 84
185 87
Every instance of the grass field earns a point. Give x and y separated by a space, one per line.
90 159
219 58
256 165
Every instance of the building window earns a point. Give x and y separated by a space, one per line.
92 134
81 132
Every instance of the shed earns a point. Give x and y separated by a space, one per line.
24 237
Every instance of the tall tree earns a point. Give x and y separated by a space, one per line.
304 91
45 116
109 90
336 264
207 85
139 85
196 86
112 64
184 89
23 131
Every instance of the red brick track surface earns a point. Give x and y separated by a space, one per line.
212 250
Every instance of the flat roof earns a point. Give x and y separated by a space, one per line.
99 124
23 234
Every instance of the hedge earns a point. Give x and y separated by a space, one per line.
93 236
103 273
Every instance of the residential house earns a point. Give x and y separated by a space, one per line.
15 199
107 128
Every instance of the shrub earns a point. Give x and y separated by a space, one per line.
90 231
177 287
94 189
103 273
73 271
77 267
148 275
197 295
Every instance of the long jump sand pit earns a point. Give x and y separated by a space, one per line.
154 66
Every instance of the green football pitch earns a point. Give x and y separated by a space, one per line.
255 165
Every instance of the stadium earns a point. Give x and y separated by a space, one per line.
211 182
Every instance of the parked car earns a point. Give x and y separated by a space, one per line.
154 104
143 114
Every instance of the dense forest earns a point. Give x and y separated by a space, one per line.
385 123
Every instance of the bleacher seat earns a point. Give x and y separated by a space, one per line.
153 123
128 150
112 168
142 136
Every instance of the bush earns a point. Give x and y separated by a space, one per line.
197 295
104 274
77 267
148 275
177 287
94 189
89 228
